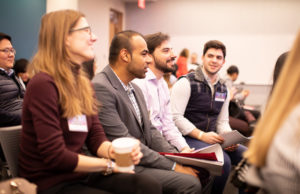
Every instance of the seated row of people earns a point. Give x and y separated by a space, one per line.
60 117
189 102
59 96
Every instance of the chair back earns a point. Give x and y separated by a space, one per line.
10 142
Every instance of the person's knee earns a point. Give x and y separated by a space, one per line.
147 184
227 164
189 184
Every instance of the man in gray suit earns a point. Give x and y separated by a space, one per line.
123 113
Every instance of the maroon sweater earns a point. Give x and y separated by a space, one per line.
48 150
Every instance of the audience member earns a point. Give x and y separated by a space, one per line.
278 67
182 63
20 69
274 150
239 118
243 176
194 63
124 113
170 79
156 91
11 92
60 116
237 93
199 103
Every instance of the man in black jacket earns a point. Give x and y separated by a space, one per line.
11 92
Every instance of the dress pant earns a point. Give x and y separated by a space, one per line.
119 183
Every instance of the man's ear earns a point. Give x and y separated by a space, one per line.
125 56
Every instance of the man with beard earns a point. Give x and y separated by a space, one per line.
199 103
156 92
123 113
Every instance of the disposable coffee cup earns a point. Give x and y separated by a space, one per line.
123 147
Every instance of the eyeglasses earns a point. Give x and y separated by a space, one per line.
8 51
86 29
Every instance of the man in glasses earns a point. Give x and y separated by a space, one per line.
11 92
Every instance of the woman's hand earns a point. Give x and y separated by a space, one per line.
187 150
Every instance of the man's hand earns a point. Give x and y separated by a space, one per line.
232 148
136 154
187 150
186 170
211 138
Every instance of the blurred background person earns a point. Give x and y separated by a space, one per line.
238 93
11 91
170 79
274 150
194 62
182 63
278 67
20 69
241 119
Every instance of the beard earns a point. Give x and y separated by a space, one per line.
162 66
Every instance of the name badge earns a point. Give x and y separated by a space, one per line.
220 97
78 124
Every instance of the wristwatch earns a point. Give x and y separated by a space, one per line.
109 168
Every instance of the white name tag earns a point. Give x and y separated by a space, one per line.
78 124
220 97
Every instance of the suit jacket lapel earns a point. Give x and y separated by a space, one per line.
111 76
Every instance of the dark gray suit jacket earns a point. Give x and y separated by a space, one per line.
119 119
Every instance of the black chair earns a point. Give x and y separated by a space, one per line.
10 140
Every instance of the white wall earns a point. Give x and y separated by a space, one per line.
255 32
53 5
97 14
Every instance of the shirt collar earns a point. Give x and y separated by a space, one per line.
9 72
150 75
128 87
208 79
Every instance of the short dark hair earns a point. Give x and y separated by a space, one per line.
120 41
154 40
4 36
20 66
216 44
232 69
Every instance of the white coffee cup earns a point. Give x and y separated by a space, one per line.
123 147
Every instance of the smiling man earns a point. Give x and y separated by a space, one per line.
156 91
11 92
199 103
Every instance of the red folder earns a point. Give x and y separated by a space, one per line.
206 156
210 158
